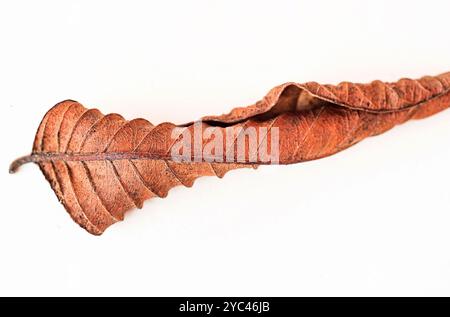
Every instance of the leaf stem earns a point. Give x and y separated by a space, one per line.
111 156
20 161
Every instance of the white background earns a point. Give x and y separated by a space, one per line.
372 220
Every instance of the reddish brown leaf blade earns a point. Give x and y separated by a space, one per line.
100 166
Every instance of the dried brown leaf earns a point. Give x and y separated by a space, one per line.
101 166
